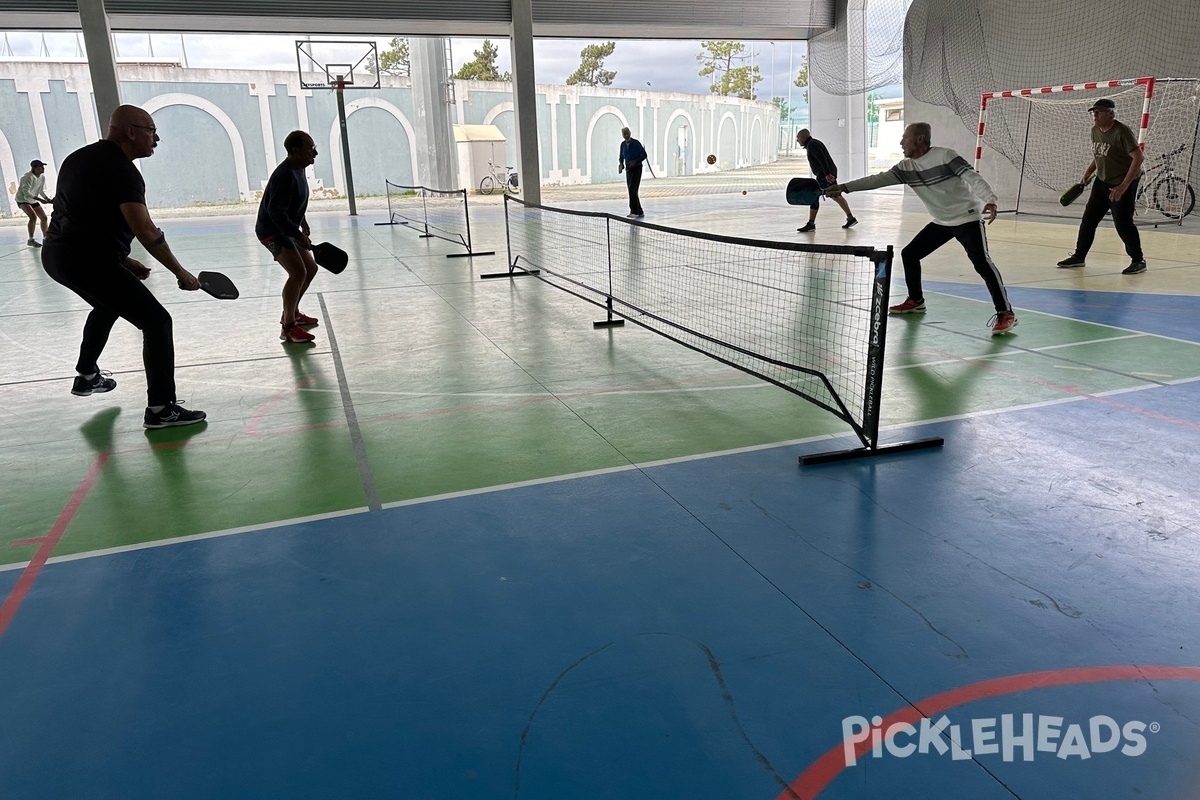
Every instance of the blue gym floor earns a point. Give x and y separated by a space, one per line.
702 627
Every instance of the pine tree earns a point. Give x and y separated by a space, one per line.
483 66
724 62
395 60
591 70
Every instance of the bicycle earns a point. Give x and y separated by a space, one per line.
497 178
1164 191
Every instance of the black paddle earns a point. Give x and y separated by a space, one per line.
803 191
218 285
1072 193
330 256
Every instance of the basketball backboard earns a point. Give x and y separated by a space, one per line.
323 63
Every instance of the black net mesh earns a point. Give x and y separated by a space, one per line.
799 316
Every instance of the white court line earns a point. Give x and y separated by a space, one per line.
1083 321
829 437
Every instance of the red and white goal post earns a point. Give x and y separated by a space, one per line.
1031 144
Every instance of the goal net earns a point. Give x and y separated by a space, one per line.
1034 143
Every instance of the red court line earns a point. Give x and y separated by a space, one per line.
47 545
821 773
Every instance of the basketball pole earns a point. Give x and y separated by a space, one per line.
340 83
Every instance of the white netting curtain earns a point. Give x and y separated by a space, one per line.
954 50
864 51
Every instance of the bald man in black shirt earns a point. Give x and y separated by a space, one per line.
99 207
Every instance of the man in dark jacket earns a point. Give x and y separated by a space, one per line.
825 171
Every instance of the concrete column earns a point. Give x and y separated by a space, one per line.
525 101
437 156
840 121
97 38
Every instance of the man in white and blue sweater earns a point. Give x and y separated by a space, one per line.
951 191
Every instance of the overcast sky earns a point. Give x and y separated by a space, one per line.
664 65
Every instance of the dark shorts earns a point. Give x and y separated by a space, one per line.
277 243
30 206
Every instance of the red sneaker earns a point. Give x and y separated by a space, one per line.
1003 322
296 334
909 306
304 320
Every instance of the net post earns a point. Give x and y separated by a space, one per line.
611 322
881 296
873 396
466 213
387 188
513 270
467 239
424 215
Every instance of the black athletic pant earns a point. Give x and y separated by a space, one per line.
112 291
633 179
973 238
1122 214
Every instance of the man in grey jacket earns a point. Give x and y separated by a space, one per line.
951 191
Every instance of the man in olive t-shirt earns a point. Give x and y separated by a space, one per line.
1117 163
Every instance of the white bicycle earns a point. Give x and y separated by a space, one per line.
497 178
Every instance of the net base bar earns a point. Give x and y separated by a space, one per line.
870 452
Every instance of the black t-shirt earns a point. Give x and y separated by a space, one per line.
284 203
93 182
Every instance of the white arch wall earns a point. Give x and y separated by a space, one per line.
213 110
603 111
335 137
697 159
573 115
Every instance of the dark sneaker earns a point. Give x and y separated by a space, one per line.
1003 322
100 382
172 415
909 306
1136 268
34 243
809 228
1071 262
850 223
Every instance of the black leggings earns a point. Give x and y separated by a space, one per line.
1122 214
112 291
972 237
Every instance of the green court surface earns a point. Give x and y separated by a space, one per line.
439 382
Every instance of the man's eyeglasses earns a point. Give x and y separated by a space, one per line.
146 128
